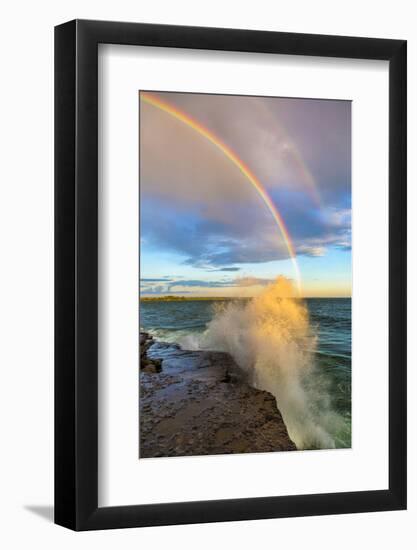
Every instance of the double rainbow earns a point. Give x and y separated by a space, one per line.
153 100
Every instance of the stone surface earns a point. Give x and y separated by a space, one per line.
200 404
148 364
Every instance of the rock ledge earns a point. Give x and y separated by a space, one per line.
198 403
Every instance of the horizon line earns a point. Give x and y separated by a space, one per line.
206 297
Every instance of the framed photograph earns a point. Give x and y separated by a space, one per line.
230 254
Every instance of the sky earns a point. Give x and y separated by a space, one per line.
206 230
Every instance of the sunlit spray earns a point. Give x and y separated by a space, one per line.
271 338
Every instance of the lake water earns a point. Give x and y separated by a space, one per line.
185 321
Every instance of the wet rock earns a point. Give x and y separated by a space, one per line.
147 364
143 337
152 367
201 404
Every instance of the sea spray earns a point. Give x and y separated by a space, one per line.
270 337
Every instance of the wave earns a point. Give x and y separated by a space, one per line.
187 338
272 340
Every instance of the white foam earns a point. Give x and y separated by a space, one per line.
271 339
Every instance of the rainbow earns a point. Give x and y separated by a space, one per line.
307 177
305 173
151 99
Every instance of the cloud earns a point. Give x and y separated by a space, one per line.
251 281
211 246
157 289
197 204
148 286
184 285
227 269
216 246
151 280
316 231
208 244
286 142
314 251
200 283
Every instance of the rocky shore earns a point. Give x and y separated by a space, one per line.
198 403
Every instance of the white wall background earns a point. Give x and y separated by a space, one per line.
26 270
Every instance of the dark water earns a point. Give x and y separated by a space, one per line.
183 321
332 321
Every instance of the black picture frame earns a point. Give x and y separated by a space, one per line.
76 272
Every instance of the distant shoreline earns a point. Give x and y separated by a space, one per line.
224 298
189 298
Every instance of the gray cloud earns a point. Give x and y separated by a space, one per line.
178 285
284 141
152 280
227 269
252 281
221 246
200 206
314 251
